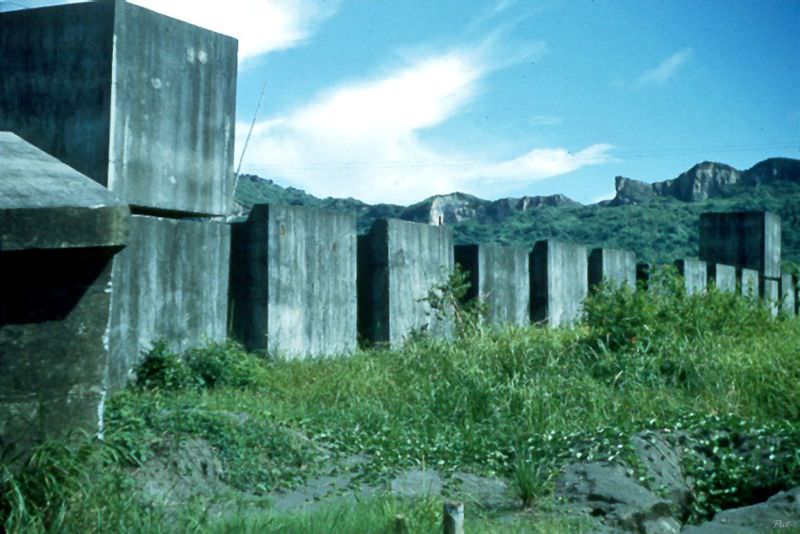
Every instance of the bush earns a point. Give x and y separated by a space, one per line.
163 369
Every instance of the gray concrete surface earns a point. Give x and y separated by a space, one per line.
398 263
500 278
788 293
770 291
695 275
559 282
746 239
748 280
613 266
170 283
723 277
293 281
139 102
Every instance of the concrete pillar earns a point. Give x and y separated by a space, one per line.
750 240
694 274
613 266
723 277
559 282
788 292
748 280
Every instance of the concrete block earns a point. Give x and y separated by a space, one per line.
559 282
141 103
398 263
788 293
695 275
747 239
59 231
170 283
293 281
748 280
615 267
722 276
500 278
769 289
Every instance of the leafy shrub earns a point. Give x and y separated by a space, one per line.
163 369
225 364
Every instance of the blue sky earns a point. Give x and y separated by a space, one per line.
397 100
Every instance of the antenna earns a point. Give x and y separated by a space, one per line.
247 139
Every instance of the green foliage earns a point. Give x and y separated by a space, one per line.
448 302
163 369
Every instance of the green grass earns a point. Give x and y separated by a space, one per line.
513 402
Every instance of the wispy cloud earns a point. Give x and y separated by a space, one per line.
666 69
363 138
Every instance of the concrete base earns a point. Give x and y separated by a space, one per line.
170 283
398 263
293 281
723 277
748 280
695 275
788 293
500 278
612 266
559 282
748 239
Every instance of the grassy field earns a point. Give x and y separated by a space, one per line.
517 403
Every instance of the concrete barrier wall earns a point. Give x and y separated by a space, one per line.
559 282
695 275
500 278
748 281
788 294
170 283
722 276
613 266
750 240
398 262
770 293
293 281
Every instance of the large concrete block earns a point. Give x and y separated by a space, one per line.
722 276
747 239
170 283
398 263
695 275
499 277
612 266
293 281
139 102
559 282
769 289
59 231
788 293
748 280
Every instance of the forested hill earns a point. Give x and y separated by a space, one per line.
658 221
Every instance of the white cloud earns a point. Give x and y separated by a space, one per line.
666 69
363 139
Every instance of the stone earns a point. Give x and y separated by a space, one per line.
293 281
779 512
663 464
399 262
59 231
170 283
559 282
745 239
142 103
722 276
788 293
748 283
612 266
499 277
694 275
769 289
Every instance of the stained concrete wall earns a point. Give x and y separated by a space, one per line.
58 234
749 240
722 276
695 275
770 292
788 293
170 283
615 267
559 282
137 101
293 281
398 263
500 278
748 280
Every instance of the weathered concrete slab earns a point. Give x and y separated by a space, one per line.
139 102
788 292
500 278
44 204
612 266
748 280
770 291
293 281
398 263
722 276
695 275
746 239
559 282
170 283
